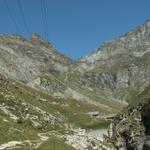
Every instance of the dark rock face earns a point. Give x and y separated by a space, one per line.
130 129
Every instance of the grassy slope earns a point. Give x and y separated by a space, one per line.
55 144
23 101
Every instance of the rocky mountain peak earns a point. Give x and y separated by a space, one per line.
146 26
35 36
147 23
138 37
38 40
136 43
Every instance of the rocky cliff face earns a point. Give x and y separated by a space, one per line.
26 59
32 60
121 66
130 129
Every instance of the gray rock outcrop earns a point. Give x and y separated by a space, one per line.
130 128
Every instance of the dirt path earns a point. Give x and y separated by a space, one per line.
17 144
11 144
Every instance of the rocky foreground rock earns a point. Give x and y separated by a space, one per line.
130 129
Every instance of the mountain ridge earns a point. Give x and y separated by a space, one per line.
28 59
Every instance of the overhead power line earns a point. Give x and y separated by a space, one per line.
23 17
44 17
11 16
45 11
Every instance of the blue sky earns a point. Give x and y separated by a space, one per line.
76 27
